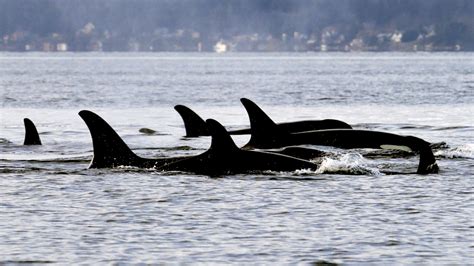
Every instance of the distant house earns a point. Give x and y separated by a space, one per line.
221 47
48 47
61 47
397 37
357 44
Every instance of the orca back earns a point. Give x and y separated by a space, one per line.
217 160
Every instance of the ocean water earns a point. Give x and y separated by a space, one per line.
53 209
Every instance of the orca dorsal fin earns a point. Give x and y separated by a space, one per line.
221 139
109 149
195 126
31 134
264 132
427 164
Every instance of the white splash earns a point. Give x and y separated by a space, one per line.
463 151
351 163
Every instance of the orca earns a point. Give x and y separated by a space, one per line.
195 126
300 152
31 134
267 135
109 150
223 156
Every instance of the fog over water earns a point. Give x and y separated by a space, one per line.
182 25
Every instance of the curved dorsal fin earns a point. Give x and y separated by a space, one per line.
427 164
264 132
109 149
31 134
221 139
195 126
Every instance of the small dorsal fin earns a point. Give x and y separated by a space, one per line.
195 126
264 132
221 139
31 134
109 149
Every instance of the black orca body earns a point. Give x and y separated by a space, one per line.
195 126
267 135
223 157
31 134
300 152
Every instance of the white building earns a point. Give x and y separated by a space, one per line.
61 47
221 47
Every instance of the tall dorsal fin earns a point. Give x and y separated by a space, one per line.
195 126
31 134
109 149
221 139
264 132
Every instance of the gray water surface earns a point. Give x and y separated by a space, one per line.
54 209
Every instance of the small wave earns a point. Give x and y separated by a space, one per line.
133 168
179 148
352 163
5 141
463 151
46 158
19 170
439 145
9 99
409 126
451 128
26 262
